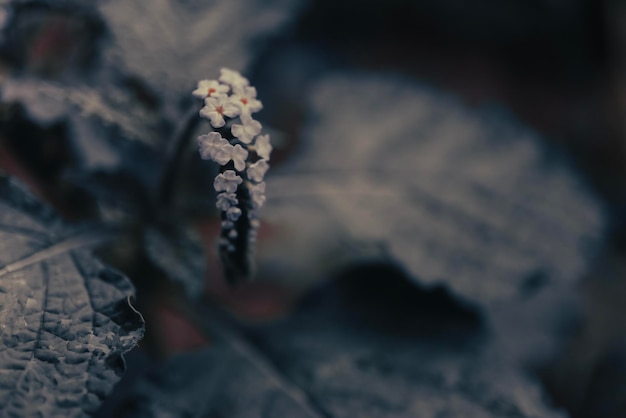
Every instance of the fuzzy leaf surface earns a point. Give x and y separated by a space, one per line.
65 318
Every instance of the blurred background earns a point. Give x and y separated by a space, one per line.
92 93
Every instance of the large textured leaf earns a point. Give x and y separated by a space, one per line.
65 318
469 198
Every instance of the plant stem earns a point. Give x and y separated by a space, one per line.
174 158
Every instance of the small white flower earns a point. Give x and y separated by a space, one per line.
210 88
246 132
257 194
227 181
233 214
211 144
227 224
246 100
257 170
233 78
236 153
233 234
226 200
215 108
263 147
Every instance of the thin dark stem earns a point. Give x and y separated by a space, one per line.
174 156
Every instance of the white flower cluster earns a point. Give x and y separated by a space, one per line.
229 103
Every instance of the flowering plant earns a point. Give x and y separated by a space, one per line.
243 154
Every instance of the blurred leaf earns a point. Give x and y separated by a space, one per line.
606 396
172 44
180 253
328 361
66 318
213 382
394 171
52 38
101 118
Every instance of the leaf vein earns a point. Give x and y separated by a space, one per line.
88 239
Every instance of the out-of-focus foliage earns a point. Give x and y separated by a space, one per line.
171 44
421 355
464 197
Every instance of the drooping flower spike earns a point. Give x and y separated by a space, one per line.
243 156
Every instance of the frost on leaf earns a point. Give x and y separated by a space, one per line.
65 318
